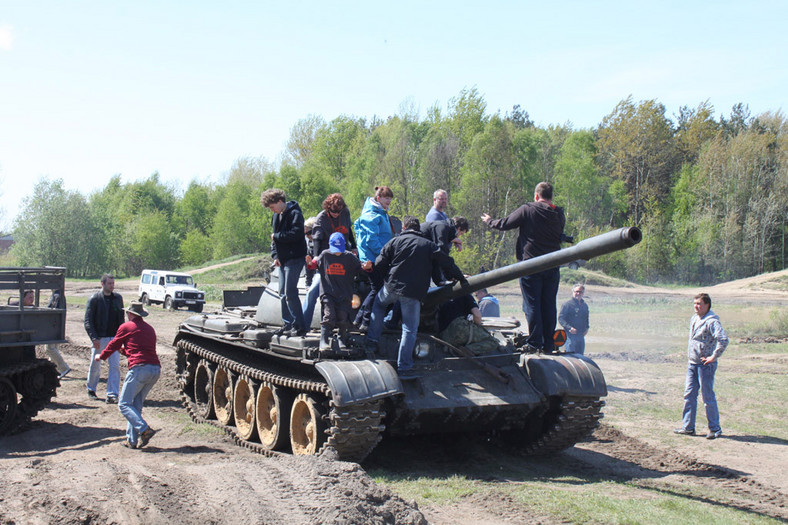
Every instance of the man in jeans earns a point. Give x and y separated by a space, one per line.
103 316
135 339
288 250
707 342
406 261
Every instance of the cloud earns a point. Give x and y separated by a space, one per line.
6 37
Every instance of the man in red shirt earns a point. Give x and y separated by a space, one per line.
136 339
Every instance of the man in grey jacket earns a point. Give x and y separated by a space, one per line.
707 342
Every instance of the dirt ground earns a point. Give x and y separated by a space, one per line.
68 465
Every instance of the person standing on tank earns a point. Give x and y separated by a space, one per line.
103 317
288 249
135 339
574 319
373 230
407 261
707 342
440 201
541 225
334 218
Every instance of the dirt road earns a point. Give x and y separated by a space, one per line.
69 466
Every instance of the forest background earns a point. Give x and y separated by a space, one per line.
711 195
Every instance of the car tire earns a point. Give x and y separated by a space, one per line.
168 304
573 265
144 299
197 308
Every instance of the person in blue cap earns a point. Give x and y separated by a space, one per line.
338 270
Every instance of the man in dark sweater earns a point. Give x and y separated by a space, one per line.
103 316
541 224
288 249
407 261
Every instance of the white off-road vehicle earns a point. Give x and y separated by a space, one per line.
171 289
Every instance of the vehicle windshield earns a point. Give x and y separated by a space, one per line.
180 279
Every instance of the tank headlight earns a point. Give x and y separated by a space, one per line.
422 350
356 301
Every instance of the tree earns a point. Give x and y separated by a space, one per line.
55 228
302 138
636 146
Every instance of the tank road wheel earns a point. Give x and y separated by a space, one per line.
7 405
144 299
307 425
203 389
244 409
168 304
273 416
223 395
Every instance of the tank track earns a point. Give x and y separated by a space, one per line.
353 431
575 420
36 384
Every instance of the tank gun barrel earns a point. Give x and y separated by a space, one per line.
605 243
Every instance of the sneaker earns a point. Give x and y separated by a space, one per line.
128 444
363 327
92 394
279 332
301 332
65 373
145 436
684 432
714 435
111 400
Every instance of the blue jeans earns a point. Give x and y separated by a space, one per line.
312 295
411 314
139 381
539 291
575 343
292 314
700 377
113 375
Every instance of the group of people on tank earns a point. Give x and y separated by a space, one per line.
400 260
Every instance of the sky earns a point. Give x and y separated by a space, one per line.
93 89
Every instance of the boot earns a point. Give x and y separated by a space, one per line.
325 339
342 337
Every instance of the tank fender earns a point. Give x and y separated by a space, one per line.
564 375
357 381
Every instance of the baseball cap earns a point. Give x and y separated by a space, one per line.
336 243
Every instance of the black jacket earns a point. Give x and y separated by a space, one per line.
98 321
288 229
541 226
441 233
407 261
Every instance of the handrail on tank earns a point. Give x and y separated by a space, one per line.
603 244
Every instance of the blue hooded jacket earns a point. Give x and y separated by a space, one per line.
373 230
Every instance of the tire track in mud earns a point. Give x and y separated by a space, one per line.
675 473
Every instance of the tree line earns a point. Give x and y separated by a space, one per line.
711 195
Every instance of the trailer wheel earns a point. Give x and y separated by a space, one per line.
8 404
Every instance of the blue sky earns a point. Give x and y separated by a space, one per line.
91 89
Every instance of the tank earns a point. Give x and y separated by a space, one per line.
276 394
27 383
